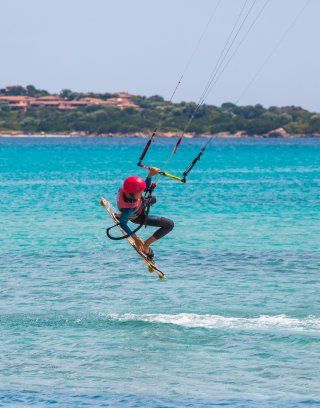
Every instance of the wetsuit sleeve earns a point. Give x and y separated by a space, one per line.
124 218
148 183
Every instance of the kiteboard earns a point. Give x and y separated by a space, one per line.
112 213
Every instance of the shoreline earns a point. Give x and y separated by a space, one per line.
277 133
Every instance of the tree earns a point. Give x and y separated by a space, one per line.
36 93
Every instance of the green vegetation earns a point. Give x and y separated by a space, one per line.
253 120
29 90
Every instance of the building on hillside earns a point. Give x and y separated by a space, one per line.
87 102
121 103
66 106
27 102
125 95
50 100
17 102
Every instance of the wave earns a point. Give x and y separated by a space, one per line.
99 320
263 322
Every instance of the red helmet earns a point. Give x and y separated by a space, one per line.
134 184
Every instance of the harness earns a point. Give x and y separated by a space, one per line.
146 202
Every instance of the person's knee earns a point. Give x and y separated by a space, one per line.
166 226
169 224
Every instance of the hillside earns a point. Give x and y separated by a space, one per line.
30 110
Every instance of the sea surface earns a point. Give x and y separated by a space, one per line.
237 321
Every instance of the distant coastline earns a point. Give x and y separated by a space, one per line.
27 111
144 135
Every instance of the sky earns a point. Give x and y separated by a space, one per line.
143 46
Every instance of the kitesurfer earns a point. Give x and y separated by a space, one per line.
131 206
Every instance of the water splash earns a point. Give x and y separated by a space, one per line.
263 322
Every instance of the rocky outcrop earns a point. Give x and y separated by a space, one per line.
280 132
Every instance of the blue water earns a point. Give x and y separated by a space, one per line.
237 322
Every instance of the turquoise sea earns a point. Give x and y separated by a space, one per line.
236 323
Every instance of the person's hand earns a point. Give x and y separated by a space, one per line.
153 171
138 242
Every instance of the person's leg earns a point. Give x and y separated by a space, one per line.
166 225
146 246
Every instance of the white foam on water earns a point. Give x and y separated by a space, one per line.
263 322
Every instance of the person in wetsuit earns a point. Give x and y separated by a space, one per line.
131 207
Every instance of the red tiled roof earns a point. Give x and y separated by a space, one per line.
92 100
54 100
50 98
125 95
14 98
